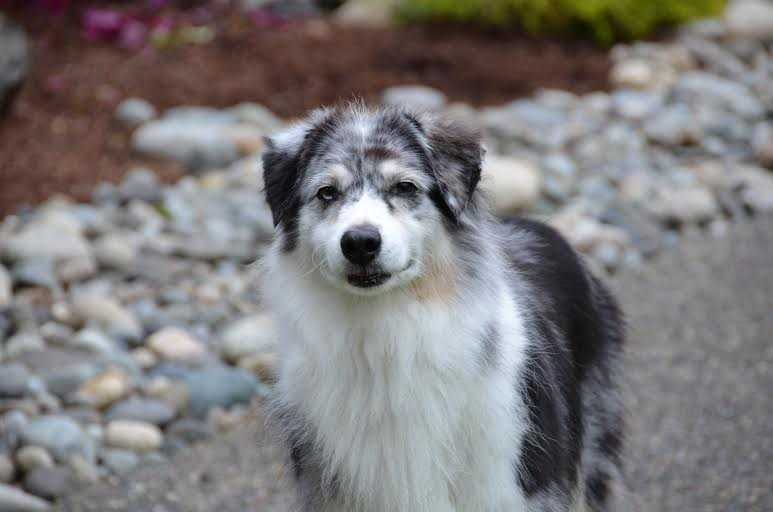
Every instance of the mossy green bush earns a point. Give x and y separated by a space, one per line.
606 21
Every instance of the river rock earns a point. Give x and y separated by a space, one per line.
106 388
634 74
132 112
148 410
60 435
683 205
512 184
755 187
14 61
136 436
218 387
247 336
197 140
6 291
107 314
415 97
115 251
120 462
701 86
43 239
13 499
14 380
750 19
174 344
762 144
7 468
48 483
31 457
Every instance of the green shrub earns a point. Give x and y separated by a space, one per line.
604 20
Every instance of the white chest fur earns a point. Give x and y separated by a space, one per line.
404 411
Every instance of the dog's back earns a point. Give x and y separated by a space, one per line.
575 411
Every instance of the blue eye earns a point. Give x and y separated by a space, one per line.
327 194
405 188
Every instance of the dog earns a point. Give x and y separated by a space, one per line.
433 358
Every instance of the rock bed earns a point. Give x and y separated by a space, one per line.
131 325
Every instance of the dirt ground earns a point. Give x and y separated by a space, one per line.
61 137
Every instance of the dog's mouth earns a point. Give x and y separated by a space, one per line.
368 279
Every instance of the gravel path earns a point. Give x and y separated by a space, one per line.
699 373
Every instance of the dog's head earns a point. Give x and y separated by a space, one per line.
368 197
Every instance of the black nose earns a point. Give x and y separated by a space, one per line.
361 244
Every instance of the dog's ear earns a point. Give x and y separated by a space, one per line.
284 158
281 172
456 157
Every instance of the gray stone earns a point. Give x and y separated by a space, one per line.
76 269
31 457
197 141
762 144
24 341
136 436
60 435
6 288
42 239
13 380
512 184
93 340
56 333
140 184
755 187
247 336
147 410
525 120
749 19
135 111
560 177
120 462
48 483
12 424
218 387
698 86
416 97
63 371
83 470
115 251
108 315
13 499
673 126
636 105
36 272
14 61
7 468
258 115
683 205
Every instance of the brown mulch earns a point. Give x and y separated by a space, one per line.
61 137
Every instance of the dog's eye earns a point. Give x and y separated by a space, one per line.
405 188
327 194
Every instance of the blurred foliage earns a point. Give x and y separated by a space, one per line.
606 21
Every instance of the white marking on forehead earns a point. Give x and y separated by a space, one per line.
366 210
340 173
363 127
390 168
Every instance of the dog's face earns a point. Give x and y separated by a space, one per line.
367 197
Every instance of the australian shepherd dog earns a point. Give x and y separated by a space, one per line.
433 357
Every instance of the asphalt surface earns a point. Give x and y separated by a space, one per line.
699 390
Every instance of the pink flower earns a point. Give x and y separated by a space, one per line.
103 24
